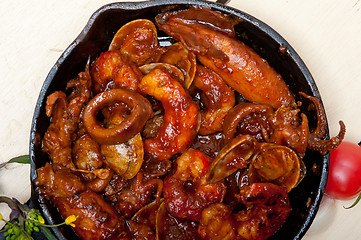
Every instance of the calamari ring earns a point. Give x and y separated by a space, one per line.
141 111
237 113
180 118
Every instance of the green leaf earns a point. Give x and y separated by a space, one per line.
356 201
47 233
24 159
20 159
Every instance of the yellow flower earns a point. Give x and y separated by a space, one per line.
69 220
41 219
1 217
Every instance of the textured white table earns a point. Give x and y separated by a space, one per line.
325 33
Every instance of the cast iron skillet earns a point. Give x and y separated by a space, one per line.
96 37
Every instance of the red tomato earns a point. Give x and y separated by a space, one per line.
344 176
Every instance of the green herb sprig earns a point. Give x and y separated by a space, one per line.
23 221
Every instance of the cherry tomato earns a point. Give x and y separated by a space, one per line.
344 176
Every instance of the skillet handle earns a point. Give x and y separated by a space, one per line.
223 1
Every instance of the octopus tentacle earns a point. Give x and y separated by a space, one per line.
320 130
315 141
324 146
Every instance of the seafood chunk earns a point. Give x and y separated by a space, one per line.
169 227
315 139
180 117
239 65
65 113
172 70
185 60
125 158
97 219
289 130
138 194
217 98
234 120
276 164
58 184
138 40
217 223
268 207
113 70
186 192
141 111
86 153
233 156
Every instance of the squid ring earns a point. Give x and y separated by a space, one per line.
141 111
237 113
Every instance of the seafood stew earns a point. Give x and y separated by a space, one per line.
110 175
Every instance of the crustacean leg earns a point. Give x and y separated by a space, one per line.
217 99
186 192
239 65
180 117
315 141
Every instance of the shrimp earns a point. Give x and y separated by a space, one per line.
113 70
218 99
186 192
267 207
180 117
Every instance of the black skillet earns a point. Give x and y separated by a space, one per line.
96 37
